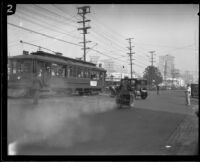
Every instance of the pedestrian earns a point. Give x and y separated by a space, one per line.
188 94
36 87
157 88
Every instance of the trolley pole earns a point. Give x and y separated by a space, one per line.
82 11
130 55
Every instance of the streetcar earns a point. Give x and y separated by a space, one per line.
58 74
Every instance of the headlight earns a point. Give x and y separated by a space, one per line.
18 77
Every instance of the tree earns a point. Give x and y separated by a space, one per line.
153 75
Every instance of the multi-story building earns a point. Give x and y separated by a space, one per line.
94 59
166 66
188 77
108 64
114 71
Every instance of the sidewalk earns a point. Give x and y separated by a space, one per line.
184 140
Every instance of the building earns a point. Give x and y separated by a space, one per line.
166 66
94 59
108 64
188 77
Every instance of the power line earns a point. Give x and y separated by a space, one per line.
45 9
110 39
42 34
110 30
73 18
41 13
100 34
47 26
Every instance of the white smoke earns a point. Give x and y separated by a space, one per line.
57 122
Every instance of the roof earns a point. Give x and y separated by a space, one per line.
43 56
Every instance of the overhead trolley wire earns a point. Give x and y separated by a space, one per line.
40 13
45 9
43 34
71 16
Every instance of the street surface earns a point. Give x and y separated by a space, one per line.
92 125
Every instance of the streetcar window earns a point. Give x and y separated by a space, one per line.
93 75
39 67
22 66
47 68
97 75
78 72
74 71
101 75
86 73
89 73
82 73
69 71
14 67
66 71
58 70
9 67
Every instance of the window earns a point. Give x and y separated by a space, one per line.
97 75
82 73
47 68
93 75
74 69
9 67
58 70
101 75
20 66
78 72
66 71
70 69
86 73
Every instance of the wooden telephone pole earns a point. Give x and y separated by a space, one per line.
82 11
130 55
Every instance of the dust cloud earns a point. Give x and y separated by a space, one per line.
60 122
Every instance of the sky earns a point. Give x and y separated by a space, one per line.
163 28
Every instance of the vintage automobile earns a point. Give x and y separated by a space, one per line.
141 88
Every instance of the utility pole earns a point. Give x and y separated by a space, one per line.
82 11
152 55
130 55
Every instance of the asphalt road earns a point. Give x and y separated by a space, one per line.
92 125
